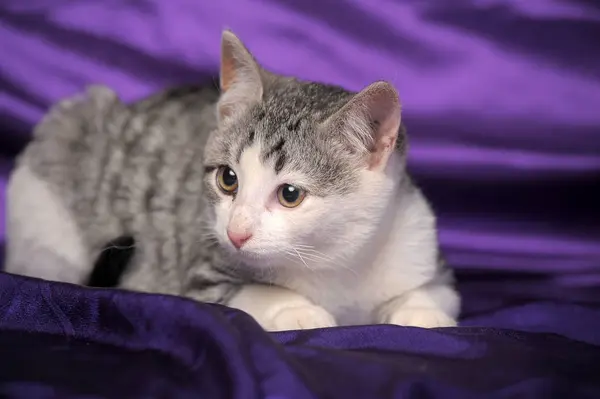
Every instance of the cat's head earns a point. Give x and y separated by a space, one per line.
298 173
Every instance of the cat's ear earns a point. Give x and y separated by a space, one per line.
370 122
240 79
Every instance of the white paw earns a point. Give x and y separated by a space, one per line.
300 317
420 317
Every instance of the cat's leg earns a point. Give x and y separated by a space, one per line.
274 308
154 266
432 305
43 239
278 309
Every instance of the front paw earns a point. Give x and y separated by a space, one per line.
419 317
301 317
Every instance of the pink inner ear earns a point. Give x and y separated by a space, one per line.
380 101
228 74
385 134
380 153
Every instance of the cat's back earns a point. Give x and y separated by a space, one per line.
104 156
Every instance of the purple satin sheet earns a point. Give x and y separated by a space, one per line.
61 341
502 105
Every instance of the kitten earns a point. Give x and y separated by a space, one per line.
289 200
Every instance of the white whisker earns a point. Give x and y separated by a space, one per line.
302 259
314 253
314 257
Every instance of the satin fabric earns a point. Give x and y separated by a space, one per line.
63 341
501 100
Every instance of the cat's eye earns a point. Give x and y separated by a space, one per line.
227 180
290 196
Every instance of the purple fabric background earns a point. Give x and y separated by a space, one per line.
502 104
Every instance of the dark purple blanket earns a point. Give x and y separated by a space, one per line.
502 105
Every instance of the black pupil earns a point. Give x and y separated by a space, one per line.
229 177
290 193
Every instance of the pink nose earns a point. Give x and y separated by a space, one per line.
238 239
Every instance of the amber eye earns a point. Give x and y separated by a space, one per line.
290 196
227 180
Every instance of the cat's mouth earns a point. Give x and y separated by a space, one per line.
255 257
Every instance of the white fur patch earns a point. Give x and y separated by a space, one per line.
43 238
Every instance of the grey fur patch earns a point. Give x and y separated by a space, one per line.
286 124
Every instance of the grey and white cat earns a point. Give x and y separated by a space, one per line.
286 199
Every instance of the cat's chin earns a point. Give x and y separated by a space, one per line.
254 258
